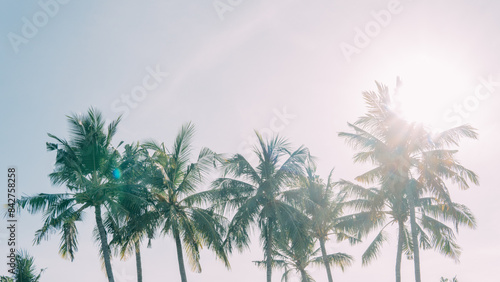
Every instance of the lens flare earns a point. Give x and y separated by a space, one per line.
117 173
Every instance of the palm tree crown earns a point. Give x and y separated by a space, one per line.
25 270
85 165
410 161
325 208
256 194
180 207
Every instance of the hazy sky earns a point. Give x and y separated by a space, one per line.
231 66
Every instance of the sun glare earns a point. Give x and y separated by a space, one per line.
429 86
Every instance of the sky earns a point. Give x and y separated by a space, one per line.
294 68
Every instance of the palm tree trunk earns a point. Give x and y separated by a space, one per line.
180 258
416 247
400 250
106 252
269 252
138 261
303 274
325 259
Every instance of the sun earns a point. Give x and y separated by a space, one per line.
429 87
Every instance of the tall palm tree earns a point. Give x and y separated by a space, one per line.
133 219
85 165
433 165
256 196
174 188
325 209
410 161
25 270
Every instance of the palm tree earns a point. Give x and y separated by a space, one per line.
290 257
379 209
133 219
25 270
256 195
85 165
128 229
174 187
433 164
409 160
325 209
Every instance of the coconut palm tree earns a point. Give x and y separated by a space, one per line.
433 163
181 209
134 219
410 161
85 165
377 208
324 207
293 258
255 195
129 229
380 210
25 270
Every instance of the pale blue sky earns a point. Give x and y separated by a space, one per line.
230 76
